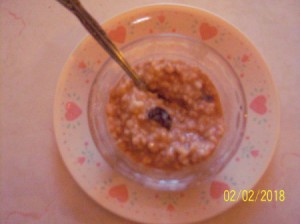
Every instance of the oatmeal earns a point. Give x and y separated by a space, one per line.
178 124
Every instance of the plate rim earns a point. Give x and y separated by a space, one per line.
62 77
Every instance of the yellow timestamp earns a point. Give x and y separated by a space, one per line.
254 195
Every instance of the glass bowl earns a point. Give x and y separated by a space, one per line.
195 53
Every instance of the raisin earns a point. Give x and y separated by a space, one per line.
161 96
208 98
161 116
206 94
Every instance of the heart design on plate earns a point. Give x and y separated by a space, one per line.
254 153
259 104
161 18
207 31
245 58
81 160
73 111
170 208
217 189
118 34
82 65
119 192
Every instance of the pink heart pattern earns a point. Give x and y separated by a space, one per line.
73 111
118 34
245 58
207 31
81 160
161 18
82 65
170 208
254 153
120 192
259 104
217 189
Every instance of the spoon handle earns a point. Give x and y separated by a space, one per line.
100 36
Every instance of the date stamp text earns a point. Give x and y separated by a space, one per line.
254 195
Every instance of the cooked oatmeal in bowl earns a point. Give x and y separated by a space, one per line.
178 124
184 129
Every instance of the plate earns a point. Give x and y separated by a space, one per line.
129 199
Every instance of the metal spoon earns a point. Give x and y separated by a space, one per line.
100 36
